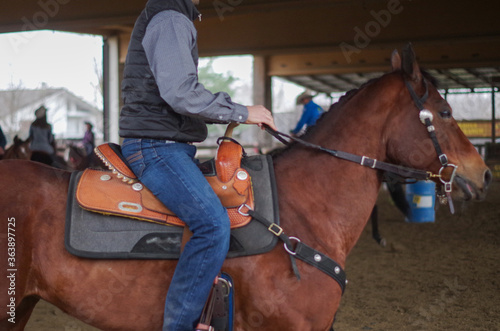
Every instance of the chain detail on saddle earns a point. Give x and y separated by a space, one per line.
119 192
112 157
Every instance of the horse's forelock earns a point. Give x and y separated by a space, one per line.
430 78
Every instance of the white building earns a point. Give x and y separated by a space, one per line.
65 112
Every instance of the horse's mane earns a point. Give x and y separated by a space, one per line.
344 99
350 94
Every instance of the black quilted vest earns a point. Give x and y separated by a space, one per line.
144 113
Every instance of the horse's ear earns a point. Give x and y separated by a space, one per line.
395 60
409 63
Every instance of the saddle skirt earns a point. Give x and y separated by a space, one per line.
118 191
104 235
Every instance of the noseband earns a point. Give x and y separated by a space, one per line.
426 118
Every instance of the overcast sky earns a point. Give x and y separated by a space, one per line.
69 60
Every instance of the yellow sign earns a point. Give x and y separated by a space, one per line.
478 129
495 169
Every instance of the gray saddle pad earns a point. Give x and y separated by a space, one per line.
93 235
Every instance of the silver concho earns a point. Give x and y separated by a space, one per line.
425 114
242 175
137 187
105 177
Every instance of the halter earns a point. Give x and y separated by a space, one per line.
426 118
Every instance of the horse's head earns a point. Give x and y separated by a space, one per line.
20 149
422 113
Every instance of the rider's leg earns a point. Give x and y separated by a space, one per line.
170 172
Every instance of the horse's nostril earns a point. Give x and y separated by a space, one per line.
488 177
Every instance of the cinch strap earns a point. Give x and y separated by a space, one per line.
304 253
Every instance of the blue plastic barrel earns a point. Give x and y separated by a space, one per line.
421 197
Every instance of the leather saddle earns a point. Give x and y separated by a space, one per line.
119 192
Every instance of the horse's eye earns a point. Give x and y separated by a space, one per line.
445 113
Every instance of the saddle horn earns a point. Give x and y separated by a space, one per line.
230 128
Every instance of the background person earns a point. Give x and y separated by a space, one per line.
42 142
310 113
88 140
3 143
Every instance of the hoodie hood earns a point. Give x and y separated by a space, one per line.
185 7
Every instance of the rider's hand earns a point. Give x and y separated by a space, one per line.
260 115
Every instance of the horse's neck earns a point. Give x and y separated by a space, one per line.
325 200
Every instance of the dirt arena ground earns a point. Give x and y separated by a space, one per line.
431 276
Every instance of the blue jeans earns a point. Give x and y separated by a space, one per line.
169 170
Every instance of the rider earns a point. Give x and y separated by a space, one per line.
42 142
310 113
165 110
3 142
88 140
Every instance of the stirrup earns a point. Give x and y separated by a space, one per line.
203 327
221 289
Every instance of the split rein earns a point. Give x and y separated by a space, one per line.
362 160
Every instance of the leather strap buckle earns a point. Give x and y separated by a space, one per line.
275 229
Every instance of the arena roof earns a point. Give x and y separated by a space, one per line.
326 45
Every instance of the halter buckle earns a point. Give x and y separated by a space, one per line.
443 159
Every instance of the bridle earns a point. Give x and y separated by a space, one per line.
426 118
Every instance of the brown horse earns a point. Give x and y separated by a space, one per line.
323 200
20 149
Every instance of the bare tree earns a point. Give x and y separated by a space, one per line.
11 100
99 87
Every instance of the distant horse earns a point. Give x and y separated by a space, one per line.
79 160
20 149
325 201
